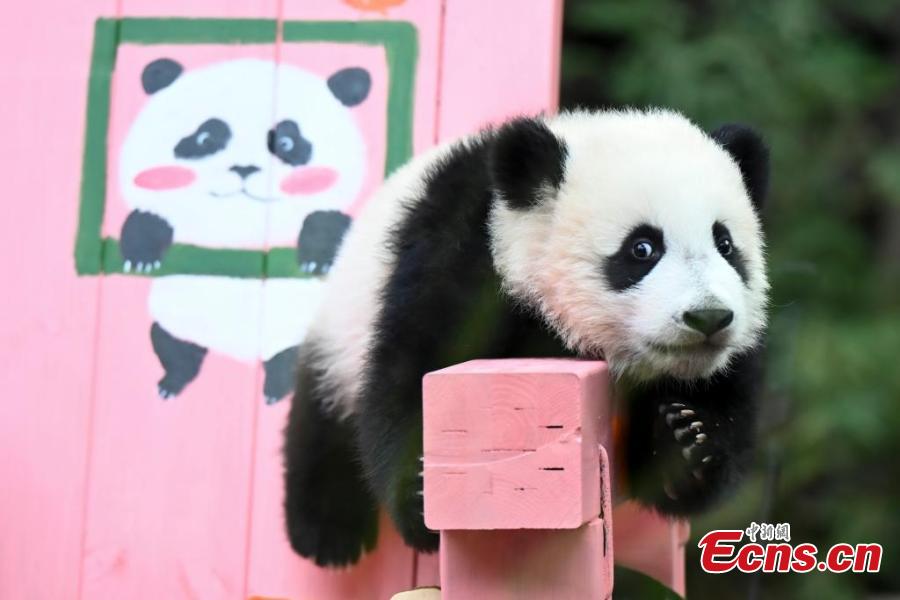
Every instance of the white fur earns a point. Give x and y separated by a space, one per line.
623 169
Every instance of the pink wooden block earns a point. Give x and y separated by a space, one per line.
527 564
513 444
651 544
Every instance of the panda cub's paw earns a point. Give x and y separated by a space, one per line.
144 239
334 540
689 456
319 240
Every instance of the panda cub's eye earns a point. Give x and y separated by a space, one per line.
724 246
722 239
642 250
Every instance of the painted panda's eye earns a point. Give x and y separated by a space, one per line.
212 135
642 250
287 143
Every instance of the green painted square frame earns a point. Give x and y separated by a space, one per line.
95 254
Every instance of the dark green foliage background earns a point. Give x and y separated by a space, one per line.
821 80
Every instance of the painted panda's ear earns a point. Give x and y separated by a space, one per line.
351 85
751 154
525 159
160 74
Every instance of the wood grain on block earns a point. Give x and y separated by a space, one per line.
526 564
651 544
513 444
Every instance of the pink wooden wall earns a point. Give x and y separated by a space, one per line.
109 492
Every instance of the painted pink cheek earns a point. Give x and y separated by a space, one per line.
164 178
309 180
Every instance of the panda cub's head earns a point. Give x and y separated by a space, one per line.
636 235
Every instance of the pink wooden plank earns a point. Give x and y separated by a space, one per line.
651 544
498 60
526 564
514 444
274 570
49 319
169 488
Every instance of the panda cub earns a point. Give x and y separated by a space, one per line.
629 236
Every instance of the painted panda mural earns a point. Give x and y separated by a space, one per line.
215 159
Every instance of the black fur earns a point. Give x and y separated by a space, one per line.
460 314
319 240
442 304
623 269
525 157
144 239
751 154
331 515
180 359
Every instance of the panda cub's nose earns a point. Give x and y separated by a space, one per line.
709 320
244 171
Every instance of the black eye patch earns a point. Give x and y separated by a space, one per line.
640 251
210 137
285 141
726 248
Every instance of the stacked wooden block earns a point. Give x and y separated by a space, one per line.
517 478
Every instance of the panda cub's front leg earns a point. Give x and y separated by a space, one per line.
320 237
331 515
144 239
689 444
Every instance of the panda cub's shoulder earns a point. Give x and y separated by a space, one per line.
343 328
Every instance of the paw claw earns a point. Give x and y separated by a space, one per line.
681 433
707 459
697 426
701 437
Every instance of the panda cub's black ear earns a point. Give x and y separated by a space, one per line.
351 85
525 159
752 156
160 74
